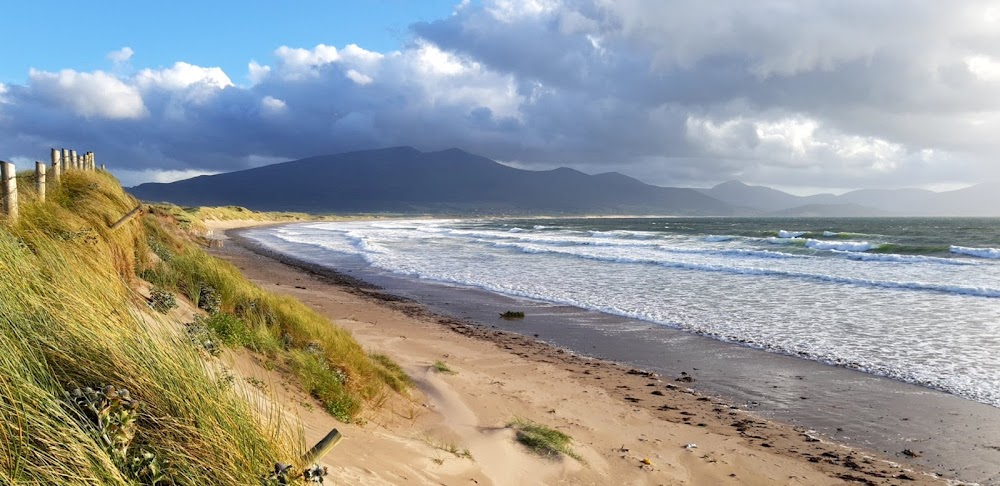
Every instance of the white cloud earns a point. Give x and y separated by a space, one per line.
984 67
796 144
121 56
272 106
131 178
91 95
513 10
358 77
257 73
807 94
183 75
299 63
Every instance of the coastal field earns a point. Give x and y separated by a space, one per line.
473 381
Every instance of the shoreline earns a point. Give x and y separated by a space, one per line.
637 389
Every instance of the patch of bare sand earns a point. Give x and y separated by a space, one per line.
452 430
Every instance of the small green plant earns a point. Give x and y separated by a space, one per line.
542 440
162 301
283 474
442 367
160 250
112 417
230 330
256 383
202 337
150 469
208 299
512 315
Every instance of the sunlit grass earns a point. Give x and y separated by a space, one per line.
69 318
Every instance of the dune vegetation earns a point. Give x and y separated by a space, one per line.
95 389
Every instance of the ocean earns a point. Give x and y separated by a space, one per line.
913 299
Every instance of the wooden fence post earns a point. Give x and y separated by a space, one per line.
322 447
65 160
74 160
8 176
40 180
124 219
103 169
56 165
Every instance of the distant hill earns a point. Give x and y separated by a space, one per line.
978 200
405 180
829 211
756 197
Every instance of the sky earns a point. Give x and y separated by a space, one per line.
807 96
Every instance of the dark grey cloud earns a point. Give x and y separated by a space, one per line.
808 94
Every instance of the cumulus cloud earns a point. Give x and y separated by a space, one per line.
90 95
121 56
811 93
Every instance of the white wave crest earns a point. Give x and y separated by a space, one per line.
790 234
717 238
706 267
516 230
893 257
623 234
840 245
976 252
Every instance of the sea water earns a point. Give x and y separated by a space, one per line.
913 299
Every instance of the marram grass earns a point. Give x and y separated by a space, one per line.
69 319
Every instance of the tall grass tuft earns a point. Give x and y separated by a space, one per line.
69 319
325 358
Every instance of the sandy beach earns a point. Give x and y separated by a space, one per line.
629 426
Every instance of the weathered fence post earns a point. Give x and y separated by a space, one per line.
8 176
56 165
74 160
40 180
103 169
322 447
124 219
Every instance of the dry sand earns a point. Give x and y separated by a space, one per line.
452 429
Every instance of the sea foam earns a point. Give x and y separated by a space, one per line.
976 252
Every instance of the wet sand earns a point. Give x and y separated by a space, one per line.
661 398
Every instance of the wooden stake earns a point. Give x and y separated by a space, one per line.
8 179
322 447
40 180
124 219
56 165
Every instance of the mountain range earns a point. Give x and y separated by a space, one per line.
406 180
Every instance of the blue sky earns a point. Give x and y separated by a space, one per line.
808 96
52 35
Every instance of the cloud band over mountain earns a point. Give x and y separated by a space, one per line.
674 93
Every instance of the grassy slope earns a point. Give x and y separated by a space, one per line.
68 319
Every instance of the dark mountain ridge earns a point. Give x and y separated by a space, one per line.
405 180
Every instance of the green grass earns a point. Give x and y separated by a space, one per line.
542 440
442 367
325 358
69 318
